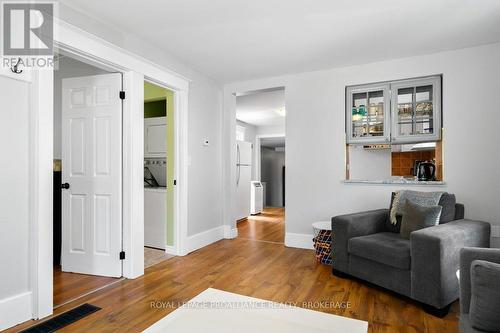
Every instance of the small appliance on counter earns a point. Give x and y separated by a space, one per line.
425 170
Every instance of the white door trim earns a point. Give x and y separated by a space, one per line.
41 182
91 49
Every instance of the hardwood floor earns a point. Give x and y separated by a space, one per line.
263 269
68 286
154 256
268 226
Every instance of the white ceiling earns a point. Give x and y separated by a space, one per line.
261 108
231 40
272 142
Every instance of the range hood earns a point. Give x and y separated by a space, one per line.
423 146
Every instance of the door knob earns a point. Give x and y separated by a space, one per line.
65 186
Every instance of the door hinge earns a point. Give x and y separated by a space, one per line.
175 181
122 255
122 94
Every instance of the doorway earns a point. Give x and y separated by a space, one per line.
86 48
260 173
87 223
159 162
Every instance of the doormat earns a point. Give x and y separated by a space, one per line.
63 319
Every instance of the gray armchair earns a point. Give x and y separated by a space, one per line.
467 257
364 245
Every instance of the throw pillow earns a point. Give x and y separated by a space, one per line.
485 296
448 202
416 217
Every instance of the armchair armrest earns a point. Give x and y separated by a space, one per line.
467 256
345 227
435 259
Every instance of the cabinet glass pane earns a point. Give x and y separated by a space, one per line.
376 113
415 110
359 126
423 110
368 114
405 111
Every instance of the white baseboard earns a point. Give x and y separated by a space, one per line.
15 310
204 238
171 250
229 232
301 241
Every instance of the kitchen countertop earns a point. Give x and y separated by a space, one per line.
395 181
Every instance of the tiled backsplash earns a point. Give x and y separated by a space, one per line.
402 163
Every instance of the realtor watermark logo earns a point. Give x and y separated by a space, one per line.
28 35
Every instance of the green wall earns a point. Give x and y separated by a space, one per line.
153 92
159 102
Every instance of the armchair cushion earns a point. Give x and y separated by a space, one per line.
345 227
485 296
386 248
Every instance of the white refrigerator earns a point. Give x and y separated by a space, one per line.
243 178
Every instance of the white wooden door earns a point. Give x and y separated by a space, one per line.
92 166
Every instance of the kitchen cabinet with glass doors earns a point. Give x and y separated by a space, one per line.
416 110
368 114
404 111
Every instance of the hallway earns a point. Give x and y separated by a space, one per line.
269 226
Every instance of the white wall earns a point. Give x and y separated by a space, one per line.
272 163
67 68
270 130
205 119
204 194
365 164
14 196
315 118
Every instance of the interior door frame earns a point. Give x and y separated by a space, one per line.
93 50
230 92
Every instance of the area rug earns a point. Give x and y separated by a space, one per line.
223 312
154 256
